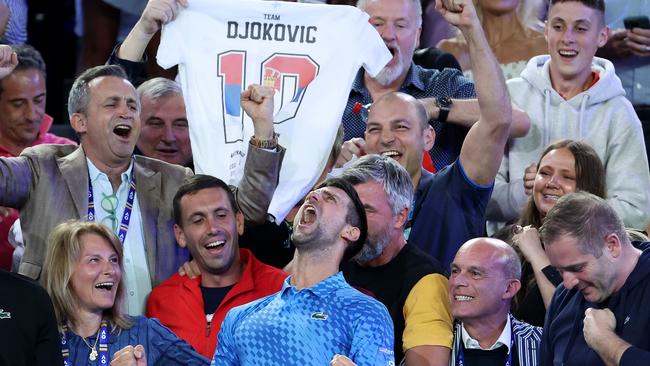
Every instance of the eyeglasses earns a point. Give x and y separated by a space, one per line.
109 205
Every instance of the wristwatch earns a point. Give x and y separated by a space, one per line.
444 105
265 144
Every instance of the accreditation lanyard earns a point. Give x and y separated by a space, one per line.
126 216
103 345
461 350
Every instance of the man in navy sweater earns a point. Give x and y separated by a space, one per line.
599 316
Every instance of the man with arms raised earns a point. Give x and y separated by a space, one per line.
484 279
101 180
316 314
23 121
399 22
449 207
600 314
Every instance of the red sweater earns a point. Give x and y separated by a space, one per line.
178 302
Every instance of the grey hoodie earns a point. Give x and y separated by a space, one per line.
600 116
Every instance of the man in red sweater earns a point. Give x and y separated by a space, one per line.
208 223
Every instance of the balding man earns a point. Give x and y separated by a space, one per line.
484 279
399 23
448 207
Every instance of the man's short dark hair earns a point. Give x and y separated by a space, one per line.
196 183
598 5
356 215
28 58
585 217
594 4
79 93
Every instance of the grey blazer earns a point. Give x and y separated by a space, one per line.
49 185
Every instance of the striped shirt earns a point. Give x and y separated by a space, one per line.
527 340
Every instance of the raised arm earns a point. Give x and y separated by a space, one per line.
154 16
262 169
465 112
8 60
482 149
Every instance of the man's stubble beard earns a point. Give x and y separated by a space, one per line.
369 252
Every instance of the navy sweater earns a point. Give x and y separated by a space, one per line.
563 341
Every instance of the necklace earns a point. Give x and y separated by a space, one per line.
93 348
102 336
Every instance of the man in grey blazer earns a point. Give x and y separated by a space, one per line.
49 184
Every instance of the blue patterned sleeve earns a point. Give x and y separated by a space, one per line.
226 354
458 86
373 337
464 88
165 348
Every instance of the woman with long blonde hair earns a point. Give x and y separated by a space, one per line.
83 273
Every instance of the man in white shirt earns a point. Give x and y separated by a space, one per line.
103 181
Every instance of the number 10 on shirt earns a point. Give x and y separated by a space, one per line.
288 74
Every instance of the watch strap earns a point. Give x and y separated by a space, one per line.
270 144
443 113
444 105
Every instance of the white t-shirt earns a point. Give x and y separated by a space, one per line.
310 53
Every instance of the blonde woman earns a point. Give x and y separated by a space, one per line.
83 274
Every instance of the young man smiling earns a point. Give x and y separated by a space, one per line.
209 223
572 94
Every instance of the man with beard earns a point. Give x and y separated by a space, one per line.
410 283
399 22
449 207
103 181
316 314
208 222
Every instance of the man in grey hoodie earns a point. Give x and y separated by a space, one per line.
572 94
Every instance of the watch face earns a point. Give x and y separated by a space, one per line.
443 102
